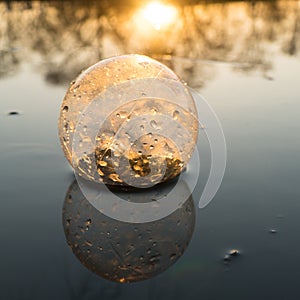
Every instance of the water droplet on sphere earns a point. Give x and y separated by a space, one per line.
175 114
153 124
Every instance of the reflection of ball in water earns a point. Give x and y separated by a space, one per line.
126 252
128 120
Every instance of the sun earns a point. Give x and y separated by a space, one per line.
159 15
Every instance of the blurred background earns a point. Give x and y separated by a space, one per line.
62 38
242 56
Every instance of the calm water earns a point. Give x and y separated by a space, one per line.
244 58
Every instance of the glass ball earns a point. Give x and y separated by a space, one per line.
128 120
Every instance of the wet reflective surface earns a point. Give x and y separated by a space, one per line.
243 57
123 251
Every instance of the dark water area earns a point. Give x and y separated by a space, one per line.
244 58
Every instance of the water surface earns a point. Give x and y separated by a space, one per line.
243 57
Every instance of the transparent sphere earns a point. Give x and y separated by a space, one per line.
128 120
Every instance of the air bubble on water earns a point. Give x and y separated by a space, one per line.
230 255
226 258
234 252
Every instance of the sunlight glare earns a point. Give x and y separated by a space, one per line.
159 15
